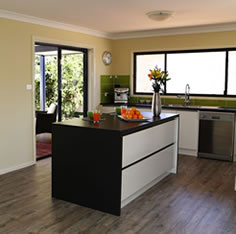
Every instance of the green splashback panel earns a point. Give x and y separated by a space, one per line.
195 102
108 83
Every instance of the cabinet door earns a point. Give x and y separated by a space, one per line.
136 177
188 133
141 144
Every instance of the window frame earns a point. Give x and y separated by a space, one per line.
226 50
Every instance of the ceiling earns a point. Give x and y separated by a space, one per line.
122 16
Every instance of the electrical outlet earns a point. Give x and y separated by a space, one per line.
29 87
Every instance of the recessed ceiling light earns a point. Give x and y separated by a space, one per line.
159 15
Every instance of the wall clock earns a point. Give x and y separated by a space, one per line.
107 57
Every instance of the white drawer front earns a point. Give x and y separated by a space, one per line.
143 143
141 174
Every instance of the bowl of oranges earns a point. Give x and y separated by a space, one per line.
132 115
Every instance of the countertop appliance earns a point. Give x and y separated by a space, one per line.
216 135
121 95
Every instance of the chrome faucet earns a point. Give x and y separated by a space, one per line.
187 97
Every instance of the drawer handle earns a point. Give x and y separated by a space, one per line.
215 117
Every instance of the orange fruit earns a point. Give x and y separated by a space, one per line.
133 108
123 110
137 112
135 116
129 116
140 116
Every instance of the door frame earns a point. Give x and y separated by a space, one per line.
60 48
92 85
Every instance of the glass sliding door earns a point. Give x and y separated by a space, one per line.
46 77
72 83
60 80
61 77
46 93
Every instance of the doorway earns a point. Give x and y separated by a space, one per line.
61 89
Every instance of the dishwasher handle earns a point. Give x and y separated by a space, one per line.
217 116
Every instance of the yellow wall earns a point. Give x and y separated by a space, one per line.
122 49
16 121
16 38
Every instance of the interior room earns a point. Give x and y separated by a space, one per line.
130 107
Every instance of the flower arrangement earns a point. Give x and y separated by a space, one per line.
158 79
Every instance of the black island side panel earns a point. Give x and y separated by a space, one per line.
86 167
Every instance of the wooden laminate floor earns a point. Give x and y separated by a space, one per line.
200 199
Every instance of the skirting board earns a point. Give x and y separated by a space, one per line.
235 184
188 152
18 167
141 191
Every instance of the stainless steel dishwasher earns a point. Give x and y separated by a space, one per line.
216 135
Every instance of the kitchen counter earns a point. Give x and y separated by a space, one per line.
200 108
114 124
181 107
105 166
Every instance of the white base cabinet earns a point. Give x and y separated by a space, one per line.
140 175
188 131
147 157
142 143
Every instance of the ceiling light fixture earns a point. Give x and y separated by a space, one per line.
159 15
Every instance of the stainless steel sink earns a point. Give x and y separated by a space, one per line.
180 105
210 107
173 105
189 106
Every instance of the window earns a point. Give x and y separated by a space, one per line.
144 63
200 71
232 73
208 72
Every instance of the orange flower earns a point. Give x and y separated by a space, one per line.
158 78
150 76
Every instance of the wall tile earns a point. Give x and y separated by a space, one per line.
108 84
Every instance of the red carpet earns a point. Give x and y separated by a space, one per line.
43 149
43 145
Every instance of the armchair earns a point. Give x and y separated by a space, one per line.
44 119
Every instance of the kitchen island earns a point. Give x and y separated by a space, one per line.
105 166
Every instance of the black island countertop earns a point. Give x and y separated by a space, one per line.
113 123
180 107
